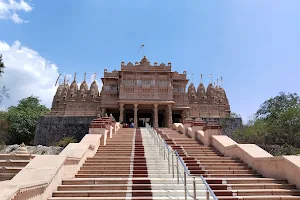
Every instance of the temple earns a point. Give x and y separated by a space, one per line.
141 93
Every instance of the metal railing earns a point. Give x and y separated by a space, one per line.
163 148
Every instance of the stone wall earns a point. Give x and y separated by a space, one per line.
51 129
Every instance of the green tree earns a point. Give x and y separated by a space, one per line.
22 120
3 91
276 124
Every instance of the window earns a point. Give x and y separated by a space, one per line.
114 88
146 82
127 81
106 88
139 82
152 82
163 83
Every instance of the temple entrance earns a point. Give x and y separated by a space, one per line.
145 116
161 120
142 114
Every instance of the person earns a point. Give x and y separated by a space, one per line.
131 125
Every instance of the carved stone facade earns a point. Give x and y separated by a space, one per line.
142 91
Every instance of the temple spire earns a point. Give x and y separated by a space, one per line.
94 76
210 78
217 82
75 77
84 76
65 78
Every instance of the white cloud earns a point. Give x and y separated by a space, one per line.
9 9
26 73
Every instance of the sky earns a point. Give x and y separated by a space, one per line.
253 44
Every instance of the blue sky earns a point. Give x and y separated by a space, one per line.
253 44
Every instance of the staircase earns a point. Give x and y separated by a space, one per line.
11 164
229 178
128 167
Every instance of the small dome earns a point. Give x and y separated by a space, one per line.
84 86
192 92
144 60
201 93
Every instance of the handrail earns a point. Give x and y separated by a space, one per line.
202 178
187 172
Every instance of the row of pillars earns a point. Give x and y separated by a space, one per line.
155 111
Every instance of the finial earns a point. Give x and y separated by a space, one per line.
84 76
221 82
201 81
210 78
217 82
75 76
65 78
214 84
57 79
94 77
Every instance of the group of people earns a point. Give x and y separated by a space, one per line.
127 125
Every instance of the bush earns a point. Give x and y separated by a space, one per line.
65 141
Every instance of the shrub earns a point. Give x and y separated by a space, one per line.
65 141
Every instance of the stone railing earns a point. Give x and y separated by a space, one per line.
44 173
283 167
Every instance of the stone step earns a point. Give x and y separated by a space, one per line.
13 170
231 171
231 175
266 197
257 192
122 198
244 180
15 163
251 186
124 187
138 171
118 193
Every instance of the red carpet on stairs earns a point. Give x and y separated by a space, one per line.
140 169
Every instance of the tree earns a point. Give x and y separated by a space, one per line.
22 120
276 124
274 107
3 91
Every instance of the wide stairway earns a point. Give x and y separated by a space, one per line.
130 166
229 178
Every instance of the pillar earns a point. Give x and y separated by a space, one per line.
135 120
155 125
121 119
170 116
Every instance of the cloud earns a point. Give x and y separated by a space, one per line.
26 73
9 9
